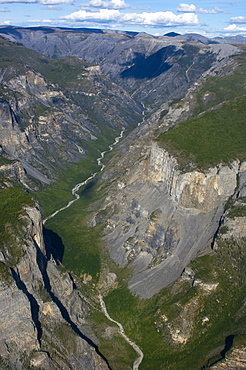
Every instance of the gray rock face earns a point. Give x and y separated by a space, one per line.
17 328
42 317
165 217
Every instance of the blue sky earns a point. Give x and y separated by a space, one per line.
209 18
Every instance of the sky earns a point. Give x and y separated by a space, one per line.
156 17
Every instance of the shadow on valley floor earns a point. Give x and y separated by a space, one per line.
53 245
228 345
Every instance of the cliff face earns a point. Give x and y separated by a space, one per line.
52 111
164 217
42 316
192 189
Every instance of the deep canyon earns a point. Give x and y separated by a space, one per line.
123 190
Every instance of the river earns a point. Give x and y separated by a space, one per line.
75 189
138 361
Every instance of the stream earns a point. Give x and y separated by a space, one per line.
80 184
75 189
138 361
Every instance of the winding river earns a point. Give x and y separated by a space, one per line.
75 189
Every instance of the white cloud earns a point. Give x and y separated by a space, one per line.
113 4
17 1
239 19
39 21
188 8
52 7
235 28
54 2
42 2
102 15
144 19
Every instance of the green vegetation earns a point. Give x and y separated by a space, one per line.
215 137
12 201
216 132
215 91
154 215
238 208
59 193
66 335
145 322
62 71
118 352
81 243
221 134
41 110
5 161
5 273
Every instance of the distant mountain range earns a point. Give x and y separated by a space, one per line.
17 34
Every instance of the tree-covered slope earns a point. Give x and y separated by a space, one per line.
216 133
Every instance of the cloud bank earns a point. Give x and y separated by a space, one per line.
239 19
234 28
154 19
191 8
42 2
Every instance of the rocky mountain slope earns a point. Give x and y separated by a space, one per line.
50 110
163 213
160 232
152 69
43 317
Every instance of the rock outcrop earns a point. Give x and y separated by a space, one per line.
236 360
42 316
